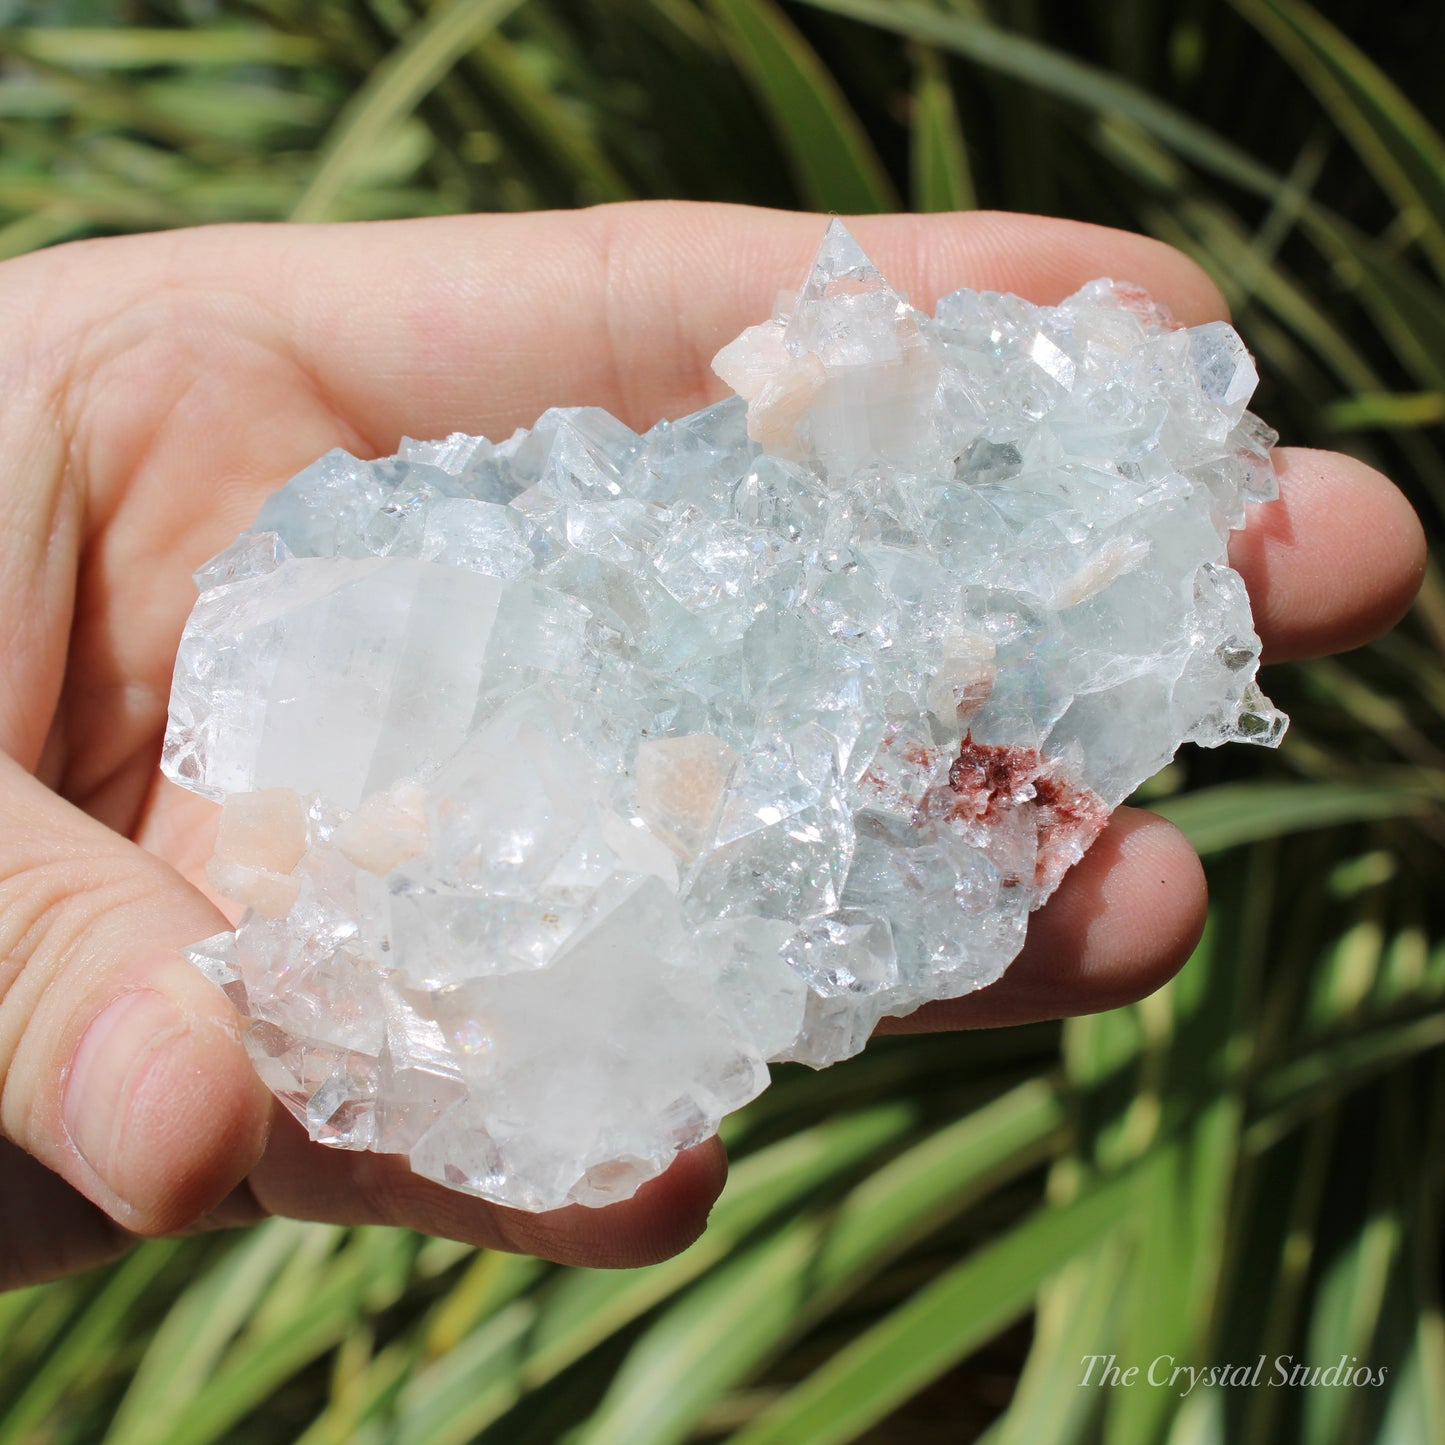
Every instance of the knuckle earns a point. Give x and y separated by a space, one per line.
639 250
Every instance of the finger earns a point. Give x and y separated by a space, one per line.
481 322
123 1069
624 307
1124 920
47 1229
309 1181
1333 563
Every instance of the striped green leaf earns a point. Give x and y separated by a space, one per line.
1231 814
1386 409
391 92
1394 140
718 1335
828 149
939 1326
134 48
1058 73
87 1348
941 180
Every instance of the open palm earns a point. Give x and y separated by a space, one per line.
157 388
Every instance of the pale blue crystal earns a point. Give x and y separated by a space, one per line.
605 769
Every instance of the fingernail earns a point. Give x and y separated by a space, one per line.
109 1069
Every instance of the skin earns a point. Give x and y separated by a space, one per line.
158 387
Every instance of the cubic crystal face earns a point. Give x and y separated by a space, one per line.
569 780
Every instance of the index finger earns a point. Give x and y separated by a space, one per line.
481 325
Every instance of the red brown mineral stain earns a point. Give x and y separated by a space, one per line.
989 776
987 779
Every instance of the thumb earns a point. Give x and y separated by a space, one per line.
121 1067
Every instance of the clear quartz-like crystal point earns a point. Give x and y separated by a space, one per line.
846 310
841 266
569 780
845 375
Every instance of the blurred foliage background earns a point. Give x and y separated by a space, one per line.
923 1244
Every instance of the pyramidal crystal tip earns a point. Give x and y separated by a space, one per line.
841 265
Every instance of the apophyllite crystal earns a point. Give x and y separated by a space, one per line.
571 779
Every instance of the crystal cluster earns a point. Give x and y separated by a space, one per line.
571 779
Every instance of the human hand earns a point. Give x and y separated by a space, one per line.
158 388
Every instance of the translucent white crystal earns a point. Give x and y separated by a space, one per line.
571 779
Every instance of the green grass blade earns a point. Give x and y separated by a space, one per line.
45 227
1402 975
15 1305
1375 711
1289 1095
1409 312
1222 817
1185 1178
939 1326
1394 140
715 1337
931 1182
35 98
134 48
392 91
359 1407
1414 1409
557 128
88 1346
1070 79
203 110
1278 1299
833 160
590 1305
582 1308
941 179
1418 1399
1386 409
195 1334
1181 1205
472 1385
305 1313
491 1282
1077 1316
1344 976
1347 1309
